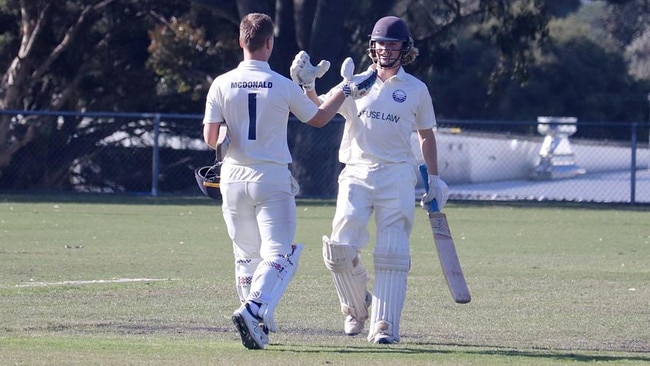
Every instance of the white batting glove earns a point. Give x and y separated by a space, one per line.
356 86
347 68
304 73
438 190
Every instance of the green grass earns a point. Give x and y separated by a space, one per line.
550 285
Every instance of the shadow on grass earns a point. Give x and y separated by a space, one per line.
583 356
414 348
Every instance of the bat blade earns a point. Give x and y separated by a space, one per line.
446 249
448 257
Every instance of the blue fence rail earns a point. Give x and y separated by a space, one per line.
155 119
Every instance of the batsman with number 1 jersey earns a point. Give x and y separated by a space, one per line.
258 190
379 176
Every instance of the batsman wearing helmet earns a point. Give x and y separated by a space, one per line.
258 190
380 175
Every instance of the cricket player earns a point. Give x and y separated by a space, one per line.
256 185
380 175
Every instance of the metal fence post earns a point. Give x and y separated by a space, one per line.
648 131
633 167
155 163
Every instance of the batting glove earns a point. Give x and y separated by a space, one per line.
438 191
304 73
356 86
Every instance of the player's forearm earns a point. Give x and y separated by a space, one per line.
211 134
328 109
313 96
429 152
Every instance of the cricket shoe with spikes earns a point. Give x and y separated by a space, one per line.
248 325
353 326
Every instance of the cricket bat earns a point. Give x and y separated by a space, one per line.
446 249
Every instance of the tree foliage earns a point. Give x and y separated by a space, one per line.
579 71
71 55
630 24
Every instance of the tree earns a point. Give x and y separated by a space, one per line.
578 73
638 56
72 55
629 23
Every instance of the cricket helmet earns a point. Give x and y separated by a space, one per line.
392 29
208 178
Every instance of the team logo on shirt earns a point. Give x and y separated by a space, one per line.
399 96
379 116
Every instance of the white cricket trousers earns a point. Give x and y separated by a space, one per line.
259 209
387 189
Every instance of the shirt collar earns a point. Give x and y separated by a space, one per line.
400 75
254 64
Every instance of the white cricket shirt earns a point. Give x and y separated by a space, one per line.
255 103
378 126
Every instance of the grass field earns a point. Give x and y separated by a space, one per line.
101 280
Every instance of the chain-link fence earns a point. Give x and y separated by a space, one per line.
553 159
557 159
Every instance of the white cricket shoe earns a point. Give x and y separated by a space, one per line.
265 334
382 334
248 325
383 339
352 326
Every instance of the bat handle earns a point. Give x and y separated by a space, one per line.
433 205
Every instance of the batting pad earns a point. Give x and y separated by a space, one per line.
271 282
244 270
350 278
392 263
